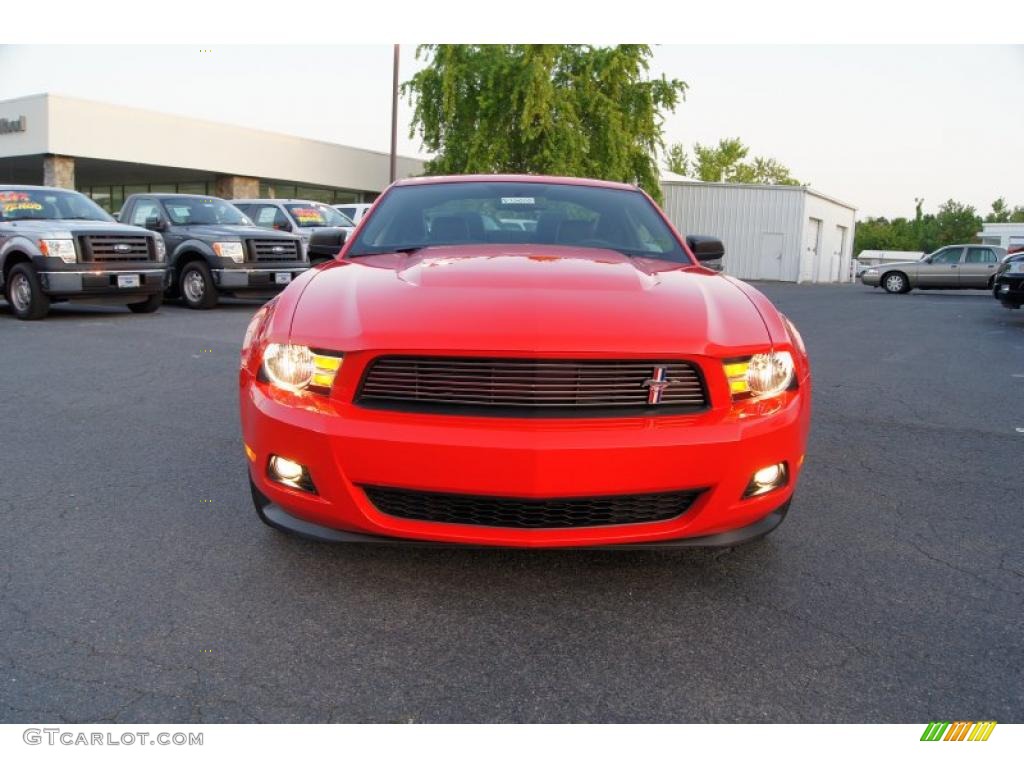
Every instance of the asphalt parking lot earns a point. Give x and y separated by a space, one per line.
137 585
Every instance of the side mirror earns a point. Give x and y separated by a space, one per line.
705 248
155 223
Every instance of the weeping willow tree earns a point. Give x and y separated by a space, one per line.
571 110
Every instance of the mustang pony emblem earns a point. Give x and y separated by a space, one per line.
657 384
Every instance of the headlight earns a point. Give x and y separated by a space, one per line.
763 375
59 249
230 250
294 367
161 248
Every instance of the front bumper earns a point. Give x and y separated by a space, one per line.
871 280
67 283
345 448
1009 289
276 517
262 279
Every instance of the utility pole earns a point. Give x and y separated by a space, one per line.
394 118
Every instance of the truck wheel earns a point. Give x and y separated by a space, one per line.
895 282
25 293
196 286
151 304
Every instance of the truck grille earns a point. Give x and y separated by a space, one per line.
529 387
113 248
506 512
273 250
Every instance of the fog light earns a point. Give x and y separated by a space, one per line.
767 479
290 473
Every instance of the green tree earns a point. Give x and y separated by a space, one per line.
574 110
953 223
726 161
1000 213
721 162
677 160
956 223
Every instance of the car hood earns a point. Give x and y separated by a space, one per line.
74 226
231 230
535 299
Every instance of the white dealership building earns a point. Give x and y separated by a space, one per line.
109 152
770 231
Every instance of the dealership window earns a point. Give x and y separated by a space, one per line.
329 195
112 197
194 188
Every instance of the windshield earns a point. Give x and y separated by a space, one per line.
317 215
534 213
17 204
185 211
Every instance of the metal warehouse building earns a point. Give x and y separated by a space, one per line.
771 232
109 152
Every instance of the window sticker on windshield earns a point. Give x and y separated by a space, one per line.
22 206
517 201
307 215
10 197
181 211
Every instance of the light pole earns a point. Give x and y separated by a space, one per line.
394 118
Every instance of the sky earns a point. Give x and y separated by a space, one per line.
875 126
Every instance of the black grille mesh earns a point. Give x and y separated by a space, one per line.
276 249
523 386
115 248
504 512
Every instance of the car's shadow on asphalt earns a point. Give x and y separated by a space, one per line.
918 294
81 311
554 568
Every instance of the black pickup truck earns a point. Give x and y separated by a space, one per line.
213 248
58 245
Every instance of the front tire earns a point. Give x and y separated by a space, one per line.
196 285
151 304
895 282
25 293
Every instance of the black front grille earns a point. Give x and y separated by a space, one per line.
273 249
113 248
504 512
530 387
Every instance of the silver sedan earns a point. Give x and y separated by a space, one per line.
951 267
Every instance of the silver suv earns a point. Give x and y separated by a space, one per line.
954 266
322 228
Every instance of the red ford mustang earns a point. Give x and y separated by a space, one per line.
528 362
